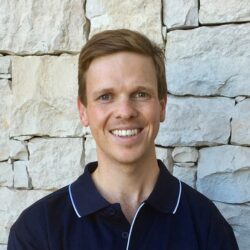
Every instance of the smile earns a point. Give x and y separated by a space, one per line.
125 132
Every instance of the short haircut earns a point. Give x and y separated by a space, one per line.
120 40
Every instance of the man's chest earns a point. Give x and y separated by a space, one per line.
109 230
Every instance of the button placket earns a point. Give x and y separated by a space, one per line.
124 235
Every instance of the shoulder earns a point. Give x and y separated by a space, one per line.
198 204
207 219
30 231
40 207
194 199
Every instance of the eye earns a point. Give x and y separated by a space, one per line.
141 95
105 97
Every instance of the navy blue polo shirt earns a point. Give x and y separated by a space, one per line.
173 217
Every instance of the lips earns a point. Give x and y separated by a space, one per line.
125 132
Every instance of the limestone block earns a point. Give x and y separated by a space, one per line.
241 123
18 150
35 27
165 154
239 99
194 121
5 76
185 164
45 96
224 11
5 65
55 162
14 203
6 100
6 175
4 148
180 14
187 175
90 149
21 177
239 218
164 32
224 173
209 61
22 138
185 154
143 16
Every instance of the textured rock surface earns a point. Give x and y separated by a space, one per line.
185 154
55 162
239 99
165 154
187 175
18 150
4 147
90 149
59 29
21 178
241 123
6 100
14 203
239 217
114 14
185 164
45 96
224 173
22 137
223 11
179 14
5 76
196 121
6 175
5 65
209 61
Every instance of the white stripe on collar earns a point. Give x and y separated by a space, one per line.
179 197
73 203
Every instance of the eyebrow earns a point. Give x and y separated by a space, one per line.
144 88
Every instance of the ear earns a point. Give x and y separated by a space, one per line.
83 113
163 103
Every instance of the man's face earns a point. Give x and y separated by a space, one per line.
123 109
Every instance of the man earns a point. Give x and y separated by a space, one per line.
128 200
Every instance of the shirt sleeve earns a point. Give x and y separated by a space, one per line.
16 243
221 235
29 232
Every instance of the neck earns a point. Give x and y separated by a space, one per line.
127 184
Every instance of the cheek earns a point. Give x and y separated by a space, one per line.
97 116
153 113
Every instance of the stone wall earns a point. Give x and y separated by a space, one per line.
205 140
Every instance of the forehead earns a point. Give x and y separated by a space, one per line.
121 67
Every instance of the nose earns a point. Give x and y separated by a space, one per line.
126 109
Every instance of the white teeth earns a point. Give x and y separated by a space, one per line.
124 133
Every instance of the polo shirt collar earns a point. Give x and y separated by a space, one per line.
83 194
166 194
86 200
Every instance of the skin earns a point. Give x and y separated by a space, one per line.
122 94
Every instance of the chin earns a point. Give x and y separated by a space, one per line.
128 159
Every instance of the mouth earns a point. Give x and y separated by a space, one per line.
126 132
